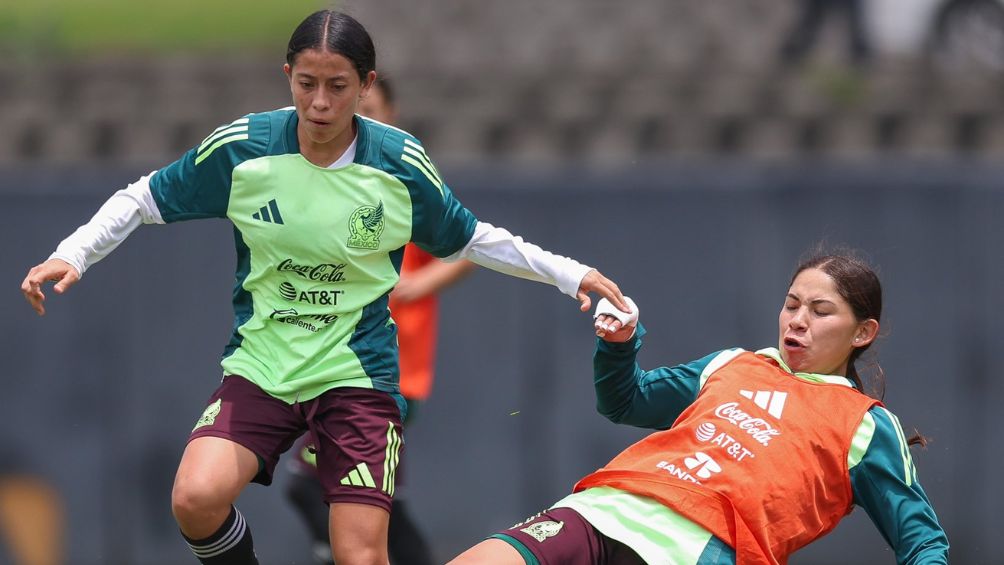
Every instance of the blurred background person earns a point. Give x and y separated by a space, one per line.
414 308
31 519
967 33
810 23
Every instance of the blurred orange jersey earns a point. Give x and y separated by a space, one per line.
416 331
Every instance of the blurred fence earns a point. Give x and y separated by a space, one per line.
663 142
146 112
582 81
101 393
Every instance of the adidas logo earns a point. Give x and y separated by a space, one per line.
269 213
359 477
771 401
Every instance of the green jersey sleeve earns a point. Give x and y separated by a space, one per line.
198 184
885 485
627 394
441 225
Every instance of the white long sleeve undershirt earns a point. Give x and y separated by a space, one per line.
499 250
491 247
118 217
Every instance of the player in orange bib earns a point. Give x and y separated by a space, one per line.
758 453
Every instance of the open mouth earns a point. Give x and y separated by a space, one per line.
792 343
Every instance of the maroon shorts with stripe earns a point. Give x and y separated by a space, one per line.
561 535
304 460
356 432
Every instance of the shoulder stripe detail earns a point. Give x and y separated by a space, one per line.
425 172
221 134
904 447
241 121
418 151
412 144
203 155
415 155
862 439
717 363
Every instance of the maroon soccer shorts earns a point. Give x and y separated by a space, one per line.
356 432
562 535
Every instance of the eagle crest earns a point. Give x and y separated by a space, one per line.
372 220
543 530
365 226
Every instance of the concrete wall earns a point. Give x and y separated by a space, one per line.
100 394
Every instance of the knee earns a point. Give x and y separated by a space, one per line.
192 498
358 533
358 552
359 555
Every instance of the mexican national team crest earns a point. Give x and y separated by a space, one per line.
365 227
543 530
209 416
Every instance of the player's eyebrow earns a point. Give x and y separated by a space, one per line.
794 296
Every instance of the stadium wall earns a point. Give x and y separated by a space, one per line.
100 394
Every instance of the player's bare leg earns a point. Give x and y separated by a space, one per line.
490 552
212 473
358 534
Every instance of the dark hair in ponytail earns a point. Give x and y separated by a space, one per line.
858 284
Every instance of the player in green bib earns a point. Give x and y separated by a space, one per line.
323 202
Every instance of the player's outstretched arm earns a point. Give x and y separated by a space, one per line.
55 270
594 281
118 217
499 250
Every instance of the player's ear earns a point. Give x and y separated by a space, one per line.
866 333
367 84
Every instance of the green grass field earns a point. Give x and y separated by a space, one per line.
84 27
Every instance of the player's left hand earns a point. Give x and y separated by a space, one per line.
613 325
594 281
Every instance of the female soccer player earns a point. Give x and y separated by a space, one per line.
414 308
759 454
323 203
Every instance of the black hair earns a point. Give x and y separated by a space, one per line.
334 32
